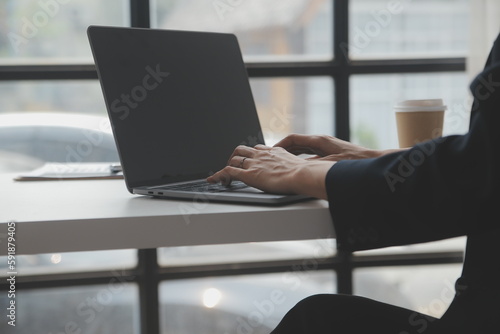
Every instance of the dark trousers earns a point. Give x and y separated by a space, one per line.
345 314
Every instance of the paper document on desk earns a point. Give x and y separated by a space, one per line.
72 171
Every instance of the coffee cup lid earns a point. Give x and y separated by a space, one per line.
420 105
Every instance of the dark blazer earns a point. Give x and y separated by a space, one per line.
439 189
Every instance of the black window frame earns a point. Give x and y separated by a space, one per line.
148 274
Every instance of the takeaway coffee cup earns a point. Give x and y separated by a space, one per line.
419 120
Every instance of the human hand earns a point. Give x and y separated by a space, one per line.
326 148
273 169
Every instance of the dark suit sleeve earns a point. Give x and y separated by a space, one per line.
438 189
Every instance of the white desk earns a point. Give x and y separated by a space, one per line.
66 216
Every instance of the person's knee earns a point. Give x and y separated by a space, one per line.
320 302
304 316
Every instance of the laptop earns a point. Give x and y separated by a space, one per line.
179 103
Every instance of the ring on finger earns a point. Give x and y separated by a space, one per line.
242 162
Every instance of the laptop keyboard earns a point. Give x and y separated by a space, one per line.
204 186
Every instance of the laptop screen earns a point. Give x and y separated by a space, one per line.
179 102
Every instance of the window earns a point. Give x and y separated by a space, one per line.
81 309
251 303
53 31
266 30
408 29
373 96
425 289
316 66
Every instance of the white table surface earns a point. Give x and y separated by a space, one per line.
65 216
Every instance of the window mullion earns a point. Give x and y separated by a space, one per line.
140 13
340 51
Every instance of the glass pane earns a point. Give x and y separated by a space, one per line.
416 29
44 264
60 121
266 30
448 245
373 123
247 252
243 304
111 308
294 106
425 289
82 96
44 31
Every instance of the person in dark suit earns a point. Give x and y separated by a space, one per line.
438 189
